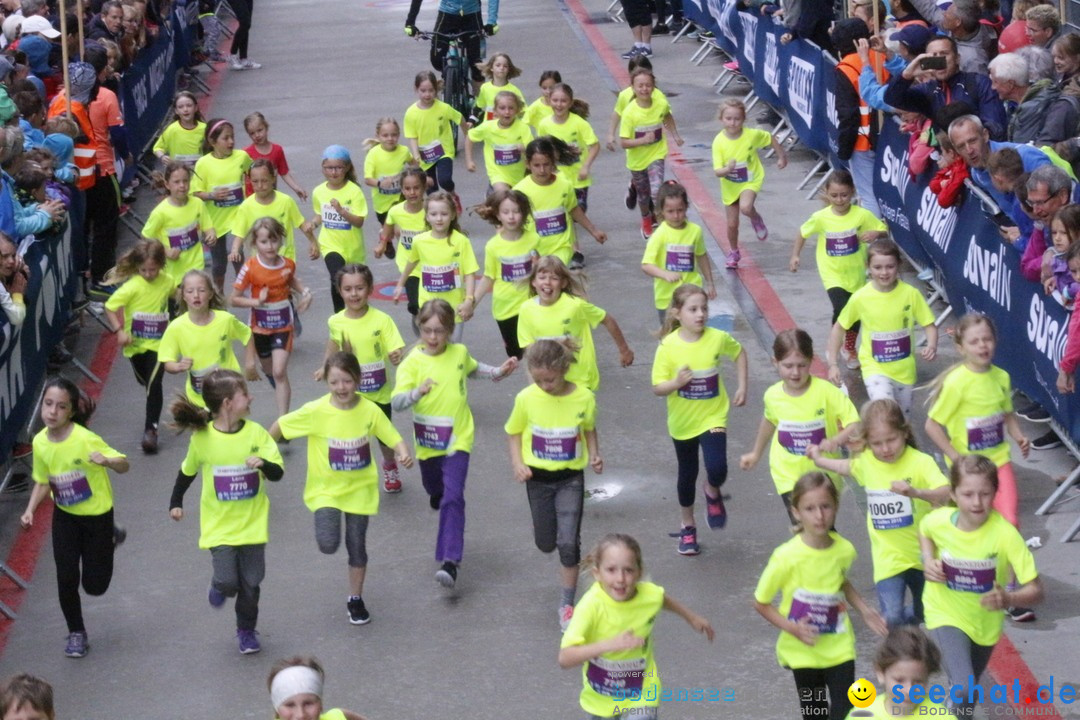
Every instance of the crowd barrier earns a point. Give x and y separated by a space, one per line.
147 89
978 272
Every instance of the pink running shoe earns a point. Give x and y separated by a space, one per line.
760 230
733 259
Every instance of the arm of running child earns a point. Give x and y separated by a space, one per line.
494 372
931 563
117 463
793 264
937 433
575 655
468 305
271 470
596 460
176 502
840 439
626 355
742 375
483 286
579 216
669 123
1012 425
295 186
801 629
870 616
781 153
517 462
470 164
692 619
116 324
590 158
36 496
613 131
705 267
764 435
930 351
680 380
331 348
836 339
836 465
400 287
656 272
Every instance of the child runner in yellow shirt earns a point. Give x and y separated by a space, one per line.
181 223
219 181
405 221
569 121
340 210
505 137
386 159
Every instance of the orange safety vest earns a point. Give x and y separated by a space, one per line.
852 66
85 149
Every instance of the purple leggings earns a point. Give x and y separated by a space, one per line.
445 476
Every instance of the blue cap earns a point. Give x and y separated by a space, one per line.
337 152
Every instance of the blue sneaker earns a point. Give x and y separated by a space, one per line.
77 645
215 597
715 512
687 540
249 643
631 53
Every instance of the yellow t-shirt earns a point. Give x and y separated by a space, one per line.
408 225
749 173
209 347
635 122
577 133
442 420
702 404
443 264
340 473
430 127
973 562
680 251
504 149
878 711
485 99
181 144
570 317
233 506
146 310
617 682
888 321
382 165
78 486
180 226
626 96
282 208
371 339
972 406
213 173
508 263
892 520
810 582
536 112
552 427
841 257
336 234
801 421
552 205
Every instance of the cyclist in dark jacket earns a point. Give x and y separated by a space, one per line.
456 16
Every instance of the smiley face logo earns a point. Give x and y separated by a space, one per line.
861 693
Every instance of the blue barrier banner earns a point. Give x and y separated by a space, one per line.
24 349
696 12
727 16
185 19
807 110
148 87
746 52
770 80
981 274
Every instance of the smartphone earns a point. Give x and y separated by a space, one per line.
937 62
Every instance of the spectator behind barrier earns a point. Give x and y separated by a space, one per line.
976 43
1043 25
14 277
1041 116
1014 36
858 126
902 46
808 20
108 24
1048 190
949 86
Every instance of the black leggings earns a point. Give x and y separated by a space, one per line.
83 551
243 10
450 24
713 445
442 175
101 225
823 691
334 262
149 374
839 298
508 329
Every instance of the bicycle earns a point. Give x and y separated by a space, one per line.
457 85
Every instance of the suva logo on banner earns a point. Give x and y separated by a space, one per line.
989 270
749 28
801 89
1044 332
771 69
894 171
936 221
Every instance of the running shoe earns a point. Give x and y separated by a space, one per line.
215 596
250 64
391 481
646 227
631 53
1020 614
235 63
732 66
645 51
435 501
1034 413
119 535
661 29
248 641
566 612
358 614
715 512
150 441
21 450
577 261
446 575
631 196
77 645
687 541
850 359
760 230
1046 441
733 259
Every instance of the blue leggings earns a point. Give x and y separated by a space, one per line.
713 445
442 175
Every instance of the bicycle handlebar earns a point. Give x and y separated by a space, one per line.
429 34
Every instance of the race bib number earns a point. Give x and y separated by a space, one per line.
439 278
196 378
795 437
825 611
273 316
512 269
70 488
888 510
372 377
656 131
704 385
392 188
433 433
976 576
188 160
741 173
431 152
616 678
557 444
406 239
235 482
332 219
351 454
235 197
840 244
984 433
506 154
149 326
184 238
890 346
679 258
550 222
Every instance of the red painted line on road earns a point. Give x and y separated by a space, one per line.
713 216
1006 665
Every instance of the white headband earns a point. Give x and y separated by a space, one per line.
294 680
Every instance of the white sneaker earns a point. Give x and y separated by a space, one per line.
235 63
250 64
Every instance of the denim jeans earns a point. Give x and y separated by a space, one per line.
890 592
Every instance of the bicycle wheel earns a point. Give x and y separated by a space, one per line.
452 80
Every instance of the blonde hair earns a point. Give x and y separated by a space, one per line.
678 299
217 302
595 556
386 120
274 228
549 354
965 323
731 103
885 411
485 66
129 263
572 283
